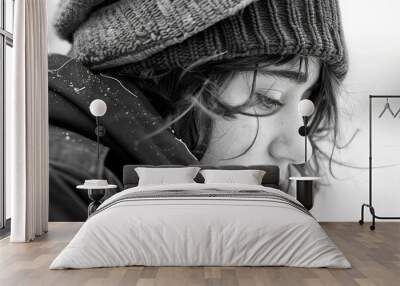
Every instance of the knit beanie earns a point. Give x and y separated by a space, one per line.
148 37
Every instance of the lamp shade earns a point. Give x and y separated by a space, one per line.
306 107
98 107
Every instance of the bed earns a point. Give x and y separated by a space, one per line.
201 224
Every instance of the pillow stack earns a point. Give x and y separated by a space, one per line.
187 175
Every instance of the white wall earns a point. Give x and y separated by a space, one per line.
372 30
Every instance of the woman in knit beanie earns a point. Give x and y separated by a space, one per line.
192 81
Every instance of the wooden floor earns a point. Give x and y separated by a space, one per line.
375 257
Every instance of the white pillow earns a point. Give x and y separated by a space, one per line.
162 176
248 177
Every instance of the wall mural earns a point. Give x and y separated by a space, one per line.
218 91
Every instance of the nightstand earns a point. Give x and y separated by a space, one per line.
96 194
304 190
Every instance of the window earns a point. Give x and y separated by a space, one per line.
6 45
9 13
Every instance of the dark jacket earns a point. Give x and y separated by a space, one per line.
73 157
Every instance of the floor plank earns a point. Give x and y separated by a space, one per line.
375 257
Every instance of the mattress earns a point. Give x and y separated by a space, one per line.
201 225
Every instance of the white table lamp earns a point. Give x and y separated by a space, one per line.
306 109
98 108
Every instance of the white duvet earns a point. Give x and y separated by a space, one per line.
200 231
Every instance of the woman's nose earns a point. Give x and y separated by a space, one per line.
288 145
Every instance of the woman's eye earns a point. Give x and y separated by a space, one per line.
267 103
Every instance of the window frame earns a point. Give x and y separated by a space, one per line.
6 39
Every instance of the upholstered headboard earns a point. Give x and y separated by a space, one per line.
271 177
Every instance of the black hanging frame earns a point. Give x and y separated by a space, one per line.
370 205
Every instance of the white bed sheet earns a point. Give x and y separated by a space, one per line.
206 231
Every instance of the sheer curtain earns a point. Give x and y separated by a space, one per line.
27 124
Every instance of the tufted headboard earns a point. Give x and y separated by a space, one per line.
271 177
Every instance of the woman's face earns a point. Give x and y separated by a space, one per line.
278 91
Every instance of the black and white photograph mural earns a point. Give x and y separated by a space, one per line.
227 82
